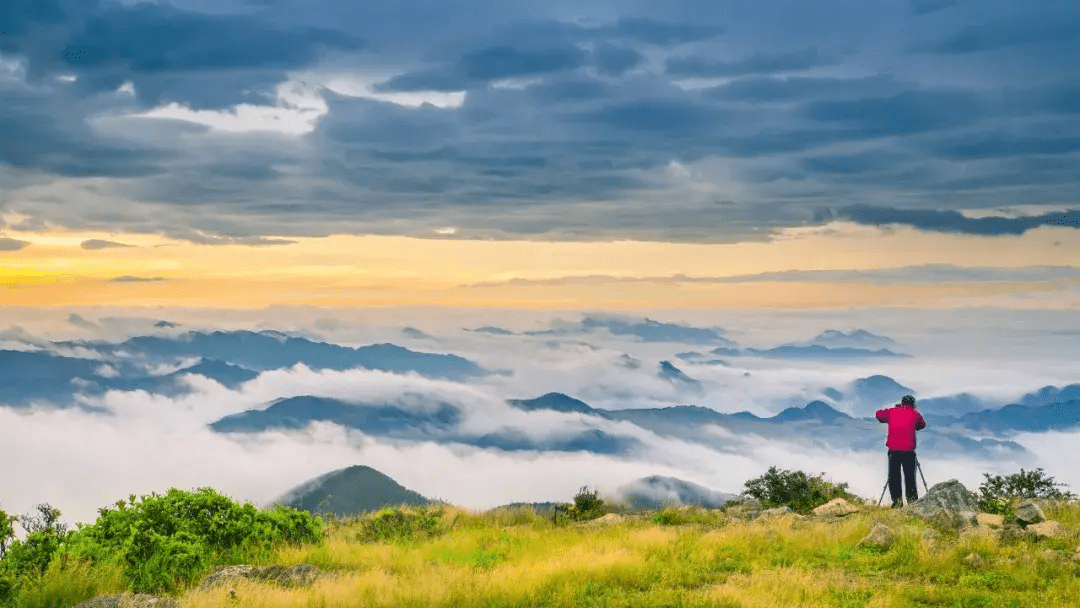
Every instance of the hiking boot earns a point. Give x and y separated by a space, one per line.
897 504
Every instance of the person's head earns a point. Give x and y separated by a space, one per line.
908 400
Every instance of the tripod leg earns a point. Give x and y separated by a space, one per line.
919 466
887 461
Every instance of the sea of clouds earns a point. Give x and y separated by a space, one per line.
135 442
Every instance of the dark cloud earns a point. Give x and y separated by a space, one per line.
150 37
1000 145
760 63
10 244
92 244
927 273
662 33
45 132
904 113
615 60
479 67
954 222
593 140
853 163
798 88
1012 31
925 7
662 117
133 279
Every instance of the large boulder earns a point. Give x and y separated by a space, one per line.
948 497
1047 529
838 507
990 520
1029 513
127 600
293 576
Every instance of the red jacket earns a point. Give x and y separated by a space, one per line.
903 421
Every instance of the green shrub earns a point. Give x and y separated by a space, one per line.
795 489
669 516
395 524
7 531
160 542
587 505
998 493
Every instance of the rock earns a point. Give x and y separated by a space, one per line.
1029 513
880 535
1047 529
951 520
293 576
975 560
127 600
990 520
610 518
777 513
947 496
837 507
1013 533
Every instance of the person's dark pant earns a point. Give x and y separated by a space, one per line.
902 459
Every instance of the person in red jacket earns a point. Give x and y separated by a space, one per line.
903 420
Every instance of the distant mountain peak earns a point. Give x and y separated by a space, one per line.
815 410
557 402
349 491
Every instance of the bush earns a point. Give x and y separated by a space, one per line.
998 493
587 505
795 489
160 543
395 524
669 516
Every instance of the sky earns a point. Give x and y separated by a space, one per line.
616 155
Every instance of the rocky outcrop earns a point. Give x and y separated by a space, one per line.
880 535
1029 513
127 600
300 575
838 507
990 520
946 497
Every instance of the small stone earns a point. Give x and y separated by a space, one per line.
880 535
975 560
775 513
1029 513
1047 529
1051 556
990 520
838 507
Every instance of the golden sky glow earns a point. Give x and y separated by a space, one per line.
54 270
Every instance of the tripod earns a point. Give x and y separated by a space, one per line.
917 466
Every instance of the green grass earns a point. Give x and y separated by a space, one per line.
671 557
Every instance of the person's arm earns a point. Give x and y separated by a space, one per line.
920 423
882 415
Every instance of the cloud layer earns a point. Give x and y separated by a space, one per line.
237 123
139 441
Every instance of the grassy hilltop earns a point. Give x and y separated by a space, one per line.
588 553
673 557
